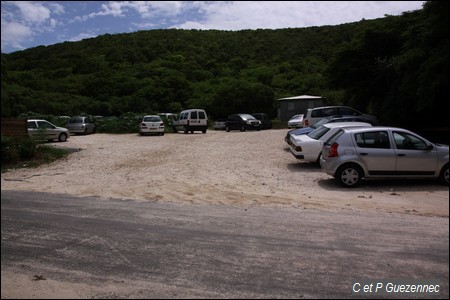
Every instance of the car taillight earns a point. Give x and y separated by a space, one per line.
306 123
333 150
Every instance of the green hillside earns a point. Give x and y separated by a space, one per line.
394 67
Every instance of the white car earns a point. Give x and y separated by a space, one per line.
296 121
353 154
44 130
308 147
151 124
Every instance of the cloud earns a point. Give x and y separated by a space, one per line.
235 15
23 20
32 12
15 35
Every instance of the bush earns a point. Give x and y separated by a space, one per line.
8 152
13 152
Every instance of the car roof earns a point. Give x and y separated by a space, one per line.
377 128
37 120
321 107
343 124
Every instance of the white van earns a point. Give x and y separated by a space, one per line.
191 120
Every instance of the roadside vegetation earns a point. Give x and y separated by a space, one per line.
28 153
394 67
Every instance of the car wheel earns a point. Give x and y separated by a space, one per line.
444 175
242 128
185 130
349 175
227 128
85 131
62 137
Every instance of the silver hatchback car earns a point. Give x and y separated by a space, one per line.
382 152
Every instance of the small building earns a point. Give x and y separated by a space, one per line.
290 106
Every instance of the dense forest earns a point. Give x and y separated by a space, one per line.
395 67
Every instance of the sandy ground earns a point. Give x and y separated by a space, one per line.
235 168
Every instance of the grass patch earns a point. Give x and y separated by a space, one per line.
43 154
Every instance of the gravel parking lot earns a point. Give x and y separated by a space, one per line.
229 168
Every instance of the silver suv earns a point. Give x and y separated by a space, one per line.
382 152
313 115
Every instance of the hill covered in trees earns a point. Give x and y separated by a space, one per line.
394 67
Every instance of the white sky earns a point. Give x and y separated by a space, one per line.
28 24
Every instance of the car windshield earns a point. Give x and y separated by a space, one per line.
247 117
152 119
318 132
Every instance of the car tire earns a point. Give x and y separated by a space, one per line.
62 137
243 128
349 175
443 176
227 128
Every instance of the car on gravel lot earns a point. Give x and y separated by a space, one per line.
151 124
242 122
191 120
220 124
352 154
296 121
308 147
266 122
326 120
44 130
81 124
313 115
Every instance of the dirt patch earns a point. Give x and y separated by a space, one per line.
238 168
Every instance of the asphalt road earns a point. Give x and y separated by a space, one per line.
150 249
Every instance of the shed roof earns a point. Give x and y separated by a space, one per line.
302 97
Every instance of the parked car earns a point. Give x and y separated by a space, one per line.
81 124
242 122
191 120
151 124
353 154
266 122
313 115
332 119
220 124
44 130
308 147
168 118
296 121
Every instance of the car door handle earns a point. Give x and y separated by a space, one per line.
364 154
401 154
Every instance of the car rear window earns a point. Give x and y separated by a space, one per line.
76 120
152 119
318 132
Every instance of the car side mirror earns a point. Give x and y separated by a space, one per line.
430 147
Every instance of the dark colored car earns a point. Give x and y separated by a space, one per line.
266 123
242 122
